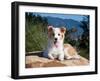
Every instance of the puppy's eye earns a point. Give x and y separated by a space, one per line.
58 34
53 34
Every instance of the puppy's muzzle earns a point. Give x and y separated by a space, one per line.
55 41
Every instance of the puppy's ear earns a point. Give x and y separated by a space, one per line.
50 28
63 29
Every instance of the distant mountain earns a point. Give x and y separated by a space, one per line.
58 22
68 23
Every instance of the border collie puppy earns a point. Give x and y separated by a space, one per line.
56 47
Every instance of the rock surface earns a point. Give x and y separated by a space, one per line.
35 61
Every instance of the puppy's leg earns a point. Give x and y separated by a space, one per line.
76 56
50 56
66 55
61 56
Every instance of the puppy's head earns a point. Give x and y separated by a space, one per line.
56 34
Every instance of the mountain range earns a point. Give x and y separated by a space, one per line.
68 23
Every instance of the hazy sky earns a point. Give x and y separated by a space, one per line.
63 16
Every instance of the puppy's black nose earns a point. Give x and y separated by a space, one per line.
55 39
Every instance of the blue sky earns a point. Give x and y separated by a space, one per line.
63 16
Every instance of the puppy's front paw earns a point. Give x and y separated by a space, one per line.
61 57
51 57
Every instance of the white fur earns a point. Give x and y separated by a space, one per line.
52 51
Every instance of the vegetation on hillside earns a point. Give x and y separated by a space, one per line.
35 33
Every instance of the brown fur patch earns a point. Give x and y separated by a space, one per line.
63 29
71 50
62 36
50 31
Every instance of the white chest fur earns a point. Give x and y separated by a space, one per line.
56 52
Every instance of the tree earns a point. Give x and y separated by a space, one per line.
85 36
